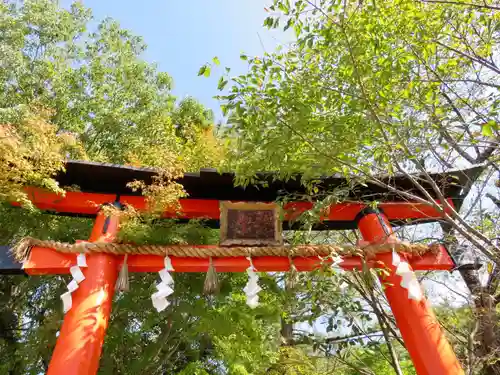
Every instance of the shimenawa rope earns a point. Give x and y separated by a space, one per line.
22 250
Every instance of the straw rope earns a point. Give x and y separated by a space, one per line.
22 249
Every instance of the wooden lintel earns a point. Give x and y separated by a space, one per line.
338 216
43 261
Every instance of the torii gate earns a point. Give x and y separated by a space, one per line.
79 344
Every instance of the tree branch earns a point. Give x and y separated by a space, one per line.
479 6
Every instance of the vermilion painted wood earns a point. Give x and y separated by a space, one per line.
44 261
89 203
80 342
72 202
425 341
79 345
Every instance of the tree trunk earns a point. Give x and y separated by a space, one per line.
488 334
286 332
287 324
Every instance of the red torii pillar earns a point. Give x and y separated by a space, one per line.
79 345
422 334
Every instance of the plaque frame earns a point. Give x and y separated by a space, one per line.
225 206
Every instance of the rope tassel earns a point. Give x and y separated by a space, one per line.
292 276
122 283
211 285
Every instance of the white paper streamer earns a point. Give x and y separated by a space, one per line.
67 301
408 279
77 274
251 264
336 260
165 287
396 259
414 290
160 304
81 260
252 288
253 302
166 277
78 277
163 291
168 264
72 286
403 268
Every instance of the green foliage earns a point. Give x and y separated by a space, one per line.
190 116
371 88
365 86
31 153
370 359
362 88
144 231
204 70
98 92
295 361
198 334
96 85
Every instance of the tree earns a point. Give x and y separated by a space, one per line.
31 152
376 87
71 92
357 94
190 116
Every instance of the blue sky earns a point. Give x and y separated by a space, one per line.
183 35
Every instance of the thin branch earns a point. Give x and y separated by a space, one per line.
482 62
479 6
494 199
476 81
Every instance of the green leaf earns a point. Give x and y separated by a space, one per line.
202 70
222 83
206 73
216 60
487 130
268 22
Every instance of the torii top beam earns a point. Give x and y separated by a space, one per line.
99 183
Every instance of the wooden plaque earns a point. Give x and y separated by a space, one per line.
250 224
